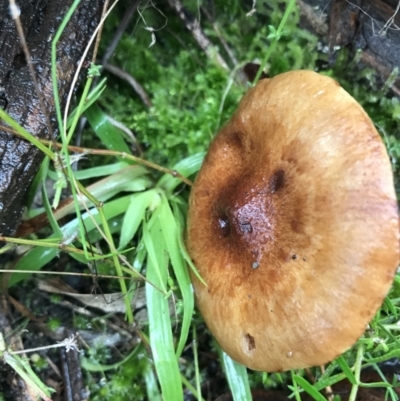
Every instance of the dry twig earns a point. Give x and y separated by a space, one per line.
193 26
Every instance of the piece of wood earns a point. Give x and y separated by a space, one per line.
370 27
19 160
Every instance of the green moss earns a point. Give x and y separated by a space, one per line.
81 322
186 89
185 113
125 383
38 362
55 298
54 323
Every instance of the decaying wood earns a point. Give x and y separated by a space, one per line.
370 27
19 160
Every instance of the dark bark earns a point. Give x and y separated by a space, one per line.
19 160
371 27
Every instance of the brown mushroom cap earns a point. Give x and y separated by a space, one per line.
293 225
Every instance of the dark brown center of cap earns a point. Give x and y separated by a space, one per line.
244 215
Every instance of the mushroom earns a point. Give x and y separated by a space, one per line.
293 225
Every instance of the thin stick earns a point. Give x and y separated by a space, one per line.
80 64
194 27
15 13
67 274
221 38
98 36
58 245
119 72
328 389
106 152
121 29
196 360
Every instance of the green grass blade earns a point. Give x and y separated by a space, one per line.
153 248
110 209
275 39
90 99
42 255
186 167
237 378
308 388
54 42
109 135
79 110
329 381
26 135
129 179
28 375
346 370
50 215
99 171
135 214
171 235
46 202
180 221
153 392
37 181
139 257
161 339
196 361
189 386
